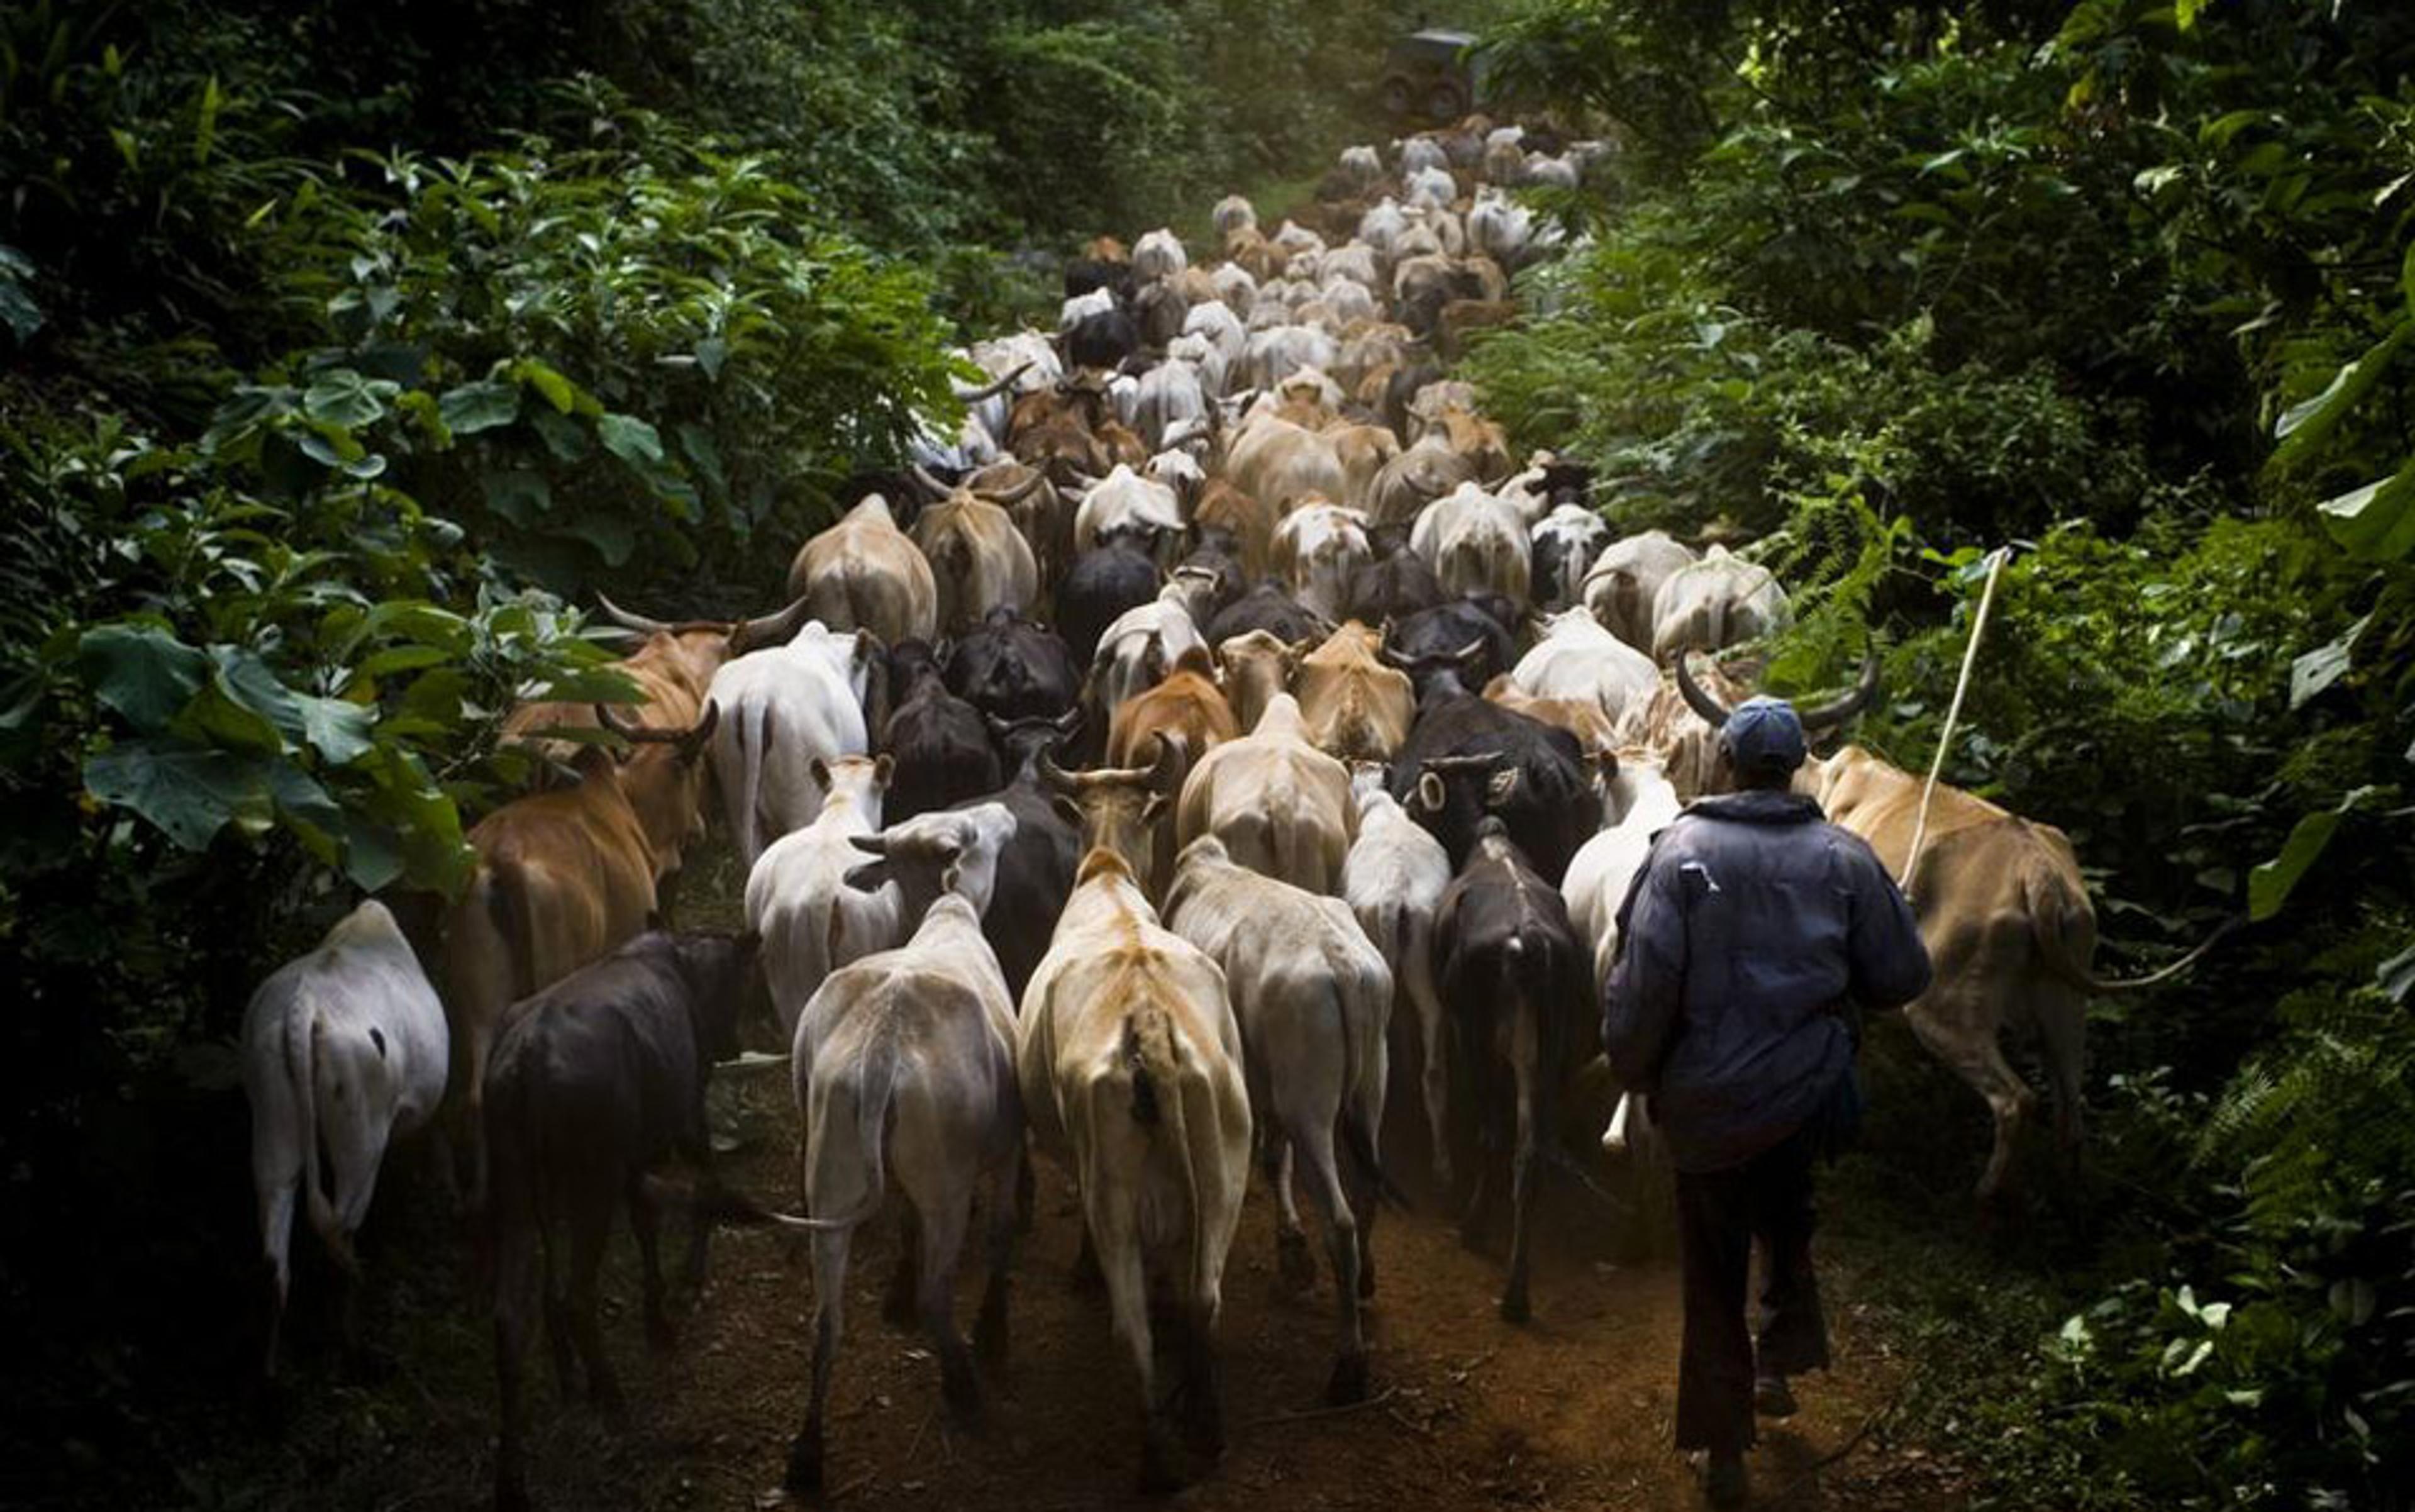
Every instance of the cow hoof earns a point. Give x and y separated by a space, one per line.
804 1473
990 1338
1515 1308
1349 1381
1295 1265
1159 1473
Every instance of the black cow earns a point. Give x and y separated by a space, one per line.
1035 871
939 742
593 1082
1401 390
1106 580
1517 996
1468 758
1268 607
1218 554
1432 636
1084 273
1013 669
1104 339
1395 585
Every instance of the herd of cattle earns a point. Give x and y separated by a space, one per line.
1221 686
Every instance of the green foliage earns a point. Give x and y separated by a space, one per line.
2124 286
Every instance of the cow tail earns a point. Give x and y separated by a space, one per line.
1357 1137
752 753
508 904
2065 935
876 1089
304 1030
1156 1064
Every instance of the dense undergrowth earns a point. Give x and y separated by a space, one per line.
2121 286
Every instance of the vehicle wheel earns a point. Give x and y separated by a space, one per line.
1444 104
1397 96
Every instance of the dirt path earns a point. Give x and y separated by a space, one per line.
1571 1411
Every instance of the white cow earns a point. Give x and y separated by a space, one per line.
904 1068
1312 997
1476 543
1079 307
782 708
1171 395
344 1050
1124 503
1431 189
1394 875
1419 154
1363 165
1644 801
1158 254
1231 214
1625 580
797 897
1140 647
1716 603
1576 658
1566 543
1129 1062
1314 549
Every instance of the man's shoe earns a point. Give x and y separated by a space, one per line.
1772 1396
1724 1485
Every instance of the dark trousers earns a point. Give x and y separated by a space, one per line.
1719 1215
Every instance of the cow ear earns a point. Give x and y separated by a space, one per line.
819 771
1155 808
870 877
951 879
1431 794
1067 810
883 767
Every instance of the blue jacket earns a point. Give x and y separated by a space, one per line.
1753 928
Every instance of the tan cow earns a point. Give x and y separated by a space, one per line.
1129 1060
2007 920
979 560
1583 718
561 879
1280 463
1257 664
1358 708
1224 507
863 574
1281 806
1188 702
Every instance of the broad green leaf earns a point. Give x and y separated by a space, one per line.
629 438
338 730
2377 521
613 537
2269 884
188 791
341 396
141 671
2304 426
520 496
566 438
711 353
475 407
401 659
372 854
558 391
2318 669
2396 975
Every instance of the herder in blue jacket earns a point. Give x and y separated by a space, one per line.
1752 937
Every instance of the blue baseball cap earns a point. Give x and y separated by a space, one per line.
1763 735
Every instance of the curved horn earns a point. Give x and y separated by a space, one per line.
1017 494
691 740
1054 777
926 482
637 622
1172 754
1469 654
990 390
1713 712
635 734
1828 716
770 629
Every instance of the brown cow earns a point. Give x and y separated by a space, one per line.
1187 701
1223 506
1583 718
561 879
979 560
